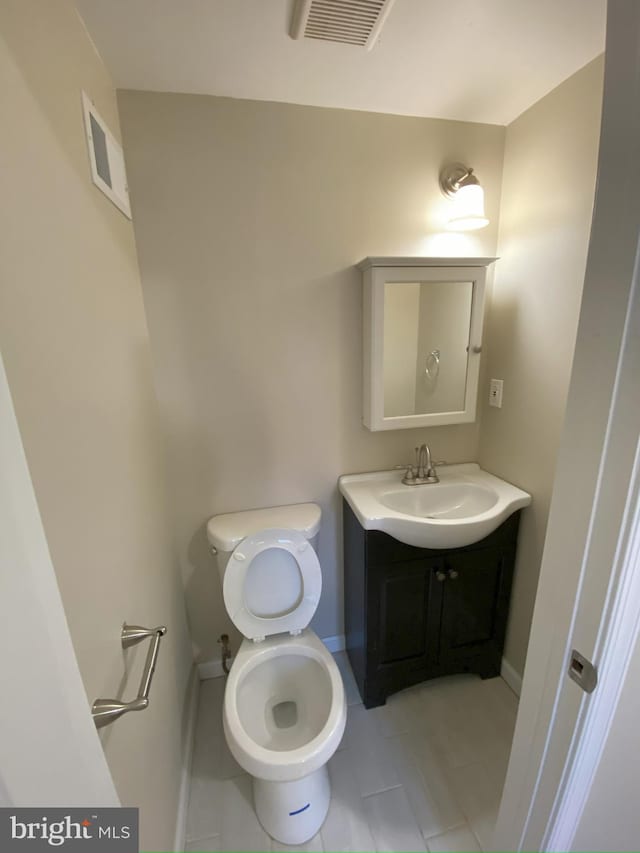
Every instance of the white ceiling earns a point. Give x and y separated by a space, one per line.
473 60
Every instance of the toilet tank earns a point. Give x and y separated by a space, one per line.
226 532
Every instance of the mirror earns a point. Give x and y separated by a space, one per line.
424 351
422 340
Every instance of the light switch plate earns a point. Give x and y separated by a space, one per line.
495 393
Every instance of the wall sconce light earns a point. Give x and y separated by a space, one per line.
458 182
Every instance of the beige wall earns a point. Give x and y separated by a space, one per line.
249 218
545 216
75 345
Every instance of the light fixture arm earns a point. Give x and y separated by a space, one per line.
454 176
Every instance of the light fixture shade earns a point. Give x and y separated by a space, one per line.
468 209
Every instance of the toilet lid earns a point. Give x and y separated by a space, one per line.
272 583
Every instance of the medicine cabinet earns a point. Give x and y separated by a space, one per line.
422 340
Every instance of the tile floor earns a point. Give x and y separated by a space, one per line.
423 772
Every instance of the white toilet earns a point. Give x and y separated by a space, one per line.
284 702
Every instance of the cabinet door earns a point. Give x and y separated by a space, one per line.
405 631
474 605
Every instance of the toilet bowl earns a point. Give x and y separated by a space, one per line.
284 706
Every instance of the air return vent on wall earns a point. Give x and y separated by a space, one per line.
356 22
106 158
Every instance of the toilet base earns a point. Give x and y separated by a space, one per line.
292 812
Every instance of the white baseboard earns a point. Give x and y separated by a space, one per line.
185 776
335 644
213 668
511 676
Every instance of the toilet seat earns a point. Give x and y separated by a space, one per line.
253 755
266 593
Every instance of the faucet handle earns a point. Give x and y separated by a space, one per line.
410 472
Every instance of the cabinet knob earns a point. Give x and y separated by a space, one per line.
441 576
453 574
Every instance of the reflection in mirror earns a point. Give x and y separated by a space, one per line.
426 336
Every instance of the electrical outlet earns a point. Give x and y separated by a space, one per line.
495 393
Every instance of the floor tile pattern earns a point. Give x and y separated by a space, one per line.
422 773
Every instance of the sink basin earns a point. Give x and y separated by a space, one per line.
464 507
451 500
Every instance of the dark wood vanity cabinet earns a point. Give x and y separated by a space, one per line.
414 613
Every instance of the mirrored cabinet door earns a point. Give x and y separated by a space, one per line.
422 340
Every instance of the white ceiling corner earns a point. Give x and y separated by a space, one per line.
470 60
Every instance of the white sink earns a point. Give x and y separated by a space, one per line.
464 507
451 500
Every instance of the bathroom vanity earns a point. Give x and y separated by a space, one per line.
414 612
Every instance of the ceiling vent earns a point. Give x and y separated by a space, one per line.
356 22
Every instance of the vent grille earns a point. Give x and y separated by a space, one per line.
356 22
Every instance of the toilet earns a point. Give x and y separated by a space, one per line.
284 706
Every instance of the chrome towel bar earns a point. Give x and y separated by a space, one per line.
105 711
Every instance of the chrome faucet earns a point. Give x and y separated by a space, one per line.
424 470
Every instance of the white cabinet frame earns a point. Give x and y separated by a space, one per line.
376 273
